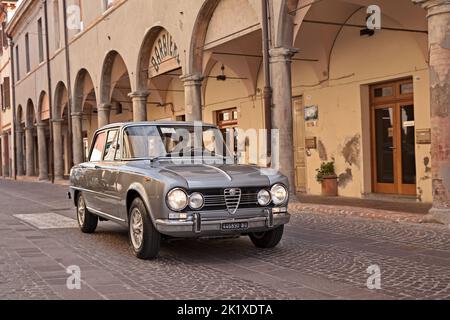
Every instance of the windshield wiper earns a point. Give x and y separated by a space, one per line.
168 155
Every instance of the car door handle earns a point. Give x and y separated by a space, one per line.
90 167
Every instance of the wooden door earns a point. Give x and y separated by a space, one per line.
393 138
299 146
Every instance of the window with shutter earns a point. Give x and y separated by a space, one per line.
6 92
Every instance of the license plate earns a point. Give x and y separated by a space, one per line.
232 226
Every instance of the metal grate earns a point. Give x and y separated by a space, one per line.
232 199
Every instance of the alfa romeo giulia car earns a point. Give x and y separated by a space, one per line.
176 179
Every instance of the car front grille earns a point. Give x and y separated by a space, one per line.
223 199
232 199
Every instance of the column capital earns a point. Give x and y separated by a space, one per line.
29 128
18 131
139 94
41 125
434 7
282 54
192 79
57 120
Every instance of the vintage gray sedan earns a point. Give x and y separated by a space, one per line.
176 179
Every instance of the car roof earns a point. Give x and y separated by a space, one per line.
155 123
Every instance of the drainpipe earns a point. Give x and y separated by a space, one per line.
69 85
49 83
13 89
266 63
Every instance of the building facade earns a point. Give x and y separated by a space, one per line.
6 146
375 102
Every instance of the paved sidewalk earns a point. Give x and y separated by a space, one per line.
395 211
64 182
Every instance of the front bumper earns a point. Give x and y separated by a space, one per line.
212 228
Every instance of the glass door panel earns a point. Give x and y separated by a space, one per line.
408 144
384 141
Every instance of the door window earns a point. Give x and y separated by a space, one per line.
384 127
111 146
99 146
408 144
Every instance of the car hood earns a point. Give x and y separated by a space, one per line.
201 176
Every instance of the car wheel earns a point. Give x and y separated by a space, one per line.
87 221
268 239
145 239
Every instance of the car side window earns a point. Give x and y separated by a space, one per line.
111 145
142 142
99 146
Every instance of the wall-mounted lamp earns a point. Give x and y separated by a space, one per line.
222 77
366 32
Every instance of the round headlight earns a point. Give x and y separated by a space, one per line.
177 199
279 194
264 198
196 201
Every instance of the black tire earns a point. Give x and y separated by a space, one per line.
150 243
269 239
87 221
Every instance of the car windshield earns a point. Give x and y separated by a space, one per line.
152 142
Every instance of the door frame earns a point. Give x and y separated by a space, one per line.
296 138
395 101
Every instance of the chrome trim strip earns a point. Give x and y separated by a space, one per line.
97 193
105 215
220 170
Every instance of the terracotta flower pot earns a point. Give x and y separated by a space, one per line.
330 186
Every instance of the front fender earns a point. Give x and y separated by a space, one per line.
140 189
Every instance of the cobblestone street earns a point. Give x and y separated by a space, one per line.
321 257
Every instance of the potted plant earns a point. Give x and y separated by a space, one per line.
326 175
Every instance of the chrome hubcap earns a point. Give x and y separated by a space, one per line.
136 228
81 211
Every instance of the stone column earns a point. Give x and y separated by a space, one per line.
139 99
58 149
280 63
104 113
42 151
193 96
29 150
77 138
439 48
5 156
19 152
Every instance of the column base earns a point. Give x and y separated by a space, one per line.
441 216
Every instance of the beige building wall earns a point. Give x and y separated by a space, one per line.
343 128
339 88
